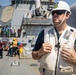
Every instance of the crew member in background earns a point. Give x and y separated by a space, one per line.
18 44
14 47
54 47
1 48
20 50
10 48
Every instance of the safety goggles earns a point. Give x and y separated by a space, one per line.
58 12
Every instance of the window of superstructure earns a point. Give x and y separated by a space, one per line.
24 2
46 3
17 2
29 2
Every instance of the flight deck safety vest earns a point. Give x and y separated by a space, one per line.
53 62
14 44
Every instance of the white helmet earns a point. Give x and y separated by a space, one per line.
61 5
10 41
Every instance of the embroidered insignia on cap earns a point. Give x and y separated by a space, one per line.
56 5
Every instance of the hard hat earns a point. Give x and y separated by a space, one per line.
19 43
61 5
10 41
14 38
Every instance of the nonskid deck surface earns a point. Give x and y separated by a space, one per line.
27 66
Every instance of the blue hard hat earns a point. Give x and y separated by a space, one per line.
19 43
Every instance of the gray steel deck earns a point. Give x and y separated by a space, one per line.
27 66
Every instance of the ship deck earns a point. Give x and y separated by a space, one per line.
27 66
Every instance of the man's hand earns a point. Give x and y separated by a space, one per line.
46 47
69 55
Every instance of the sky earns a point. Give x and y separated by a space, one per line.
8 2
5 2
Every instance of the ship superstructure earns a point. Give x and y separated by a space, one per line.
24 19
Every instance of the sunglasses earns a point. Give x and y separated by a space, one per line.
58 12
